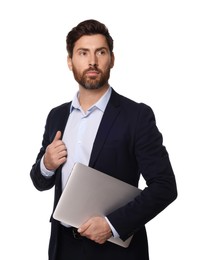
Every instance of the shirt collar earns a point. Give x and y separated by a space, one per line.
100 104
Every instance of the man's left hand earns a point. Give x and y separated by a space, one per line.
96 229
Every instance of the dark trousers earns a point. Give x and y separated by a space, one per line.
72 247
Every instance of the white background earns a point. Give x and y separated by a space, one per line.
159 61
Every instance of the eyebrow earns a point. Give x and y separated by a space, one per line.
86 49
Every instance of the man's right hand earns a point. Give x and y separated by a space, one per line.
56 153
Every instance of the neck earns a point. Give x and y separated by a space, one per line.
88 97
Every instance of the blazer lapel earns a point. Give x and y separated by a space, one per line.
110 114
64 118
62 121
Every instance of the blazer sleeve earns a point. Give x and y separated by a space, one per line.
154 164
56 120
40 182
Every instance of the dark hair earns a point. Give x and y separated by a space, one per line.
88 27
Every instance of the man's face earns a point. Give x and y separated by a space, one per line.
91 61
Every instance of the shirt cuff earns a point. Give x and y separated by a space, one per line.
115 233
46 173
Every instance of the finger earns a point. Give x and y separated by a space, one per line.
62 160
83 227
60 146
63 152
57 136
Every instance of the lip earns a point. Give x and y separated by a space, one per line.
92 73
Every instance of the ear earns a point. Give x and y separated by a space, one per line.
69 61
112 60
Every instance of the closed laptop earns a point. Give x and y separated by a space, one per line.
88 193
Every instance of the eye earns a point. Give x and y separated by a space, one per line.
101 52
82 53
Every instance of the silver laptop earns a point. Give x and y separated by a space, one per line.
89 192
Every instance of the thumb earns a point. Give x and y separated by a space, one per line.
83 227
57 136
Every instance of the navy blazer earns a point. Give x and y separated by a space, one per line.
128 143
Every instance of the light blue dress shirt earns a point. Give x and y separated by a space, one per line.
80 132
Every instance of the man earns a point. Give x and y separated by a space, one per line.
110 133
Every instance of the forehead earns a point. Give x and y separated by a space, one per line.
93 42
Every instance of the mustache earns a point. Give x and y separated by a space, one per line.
93 68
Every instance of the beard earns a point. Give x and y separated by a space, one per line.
92 82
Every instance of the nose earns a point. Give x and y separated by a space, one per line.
93 65
93 61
